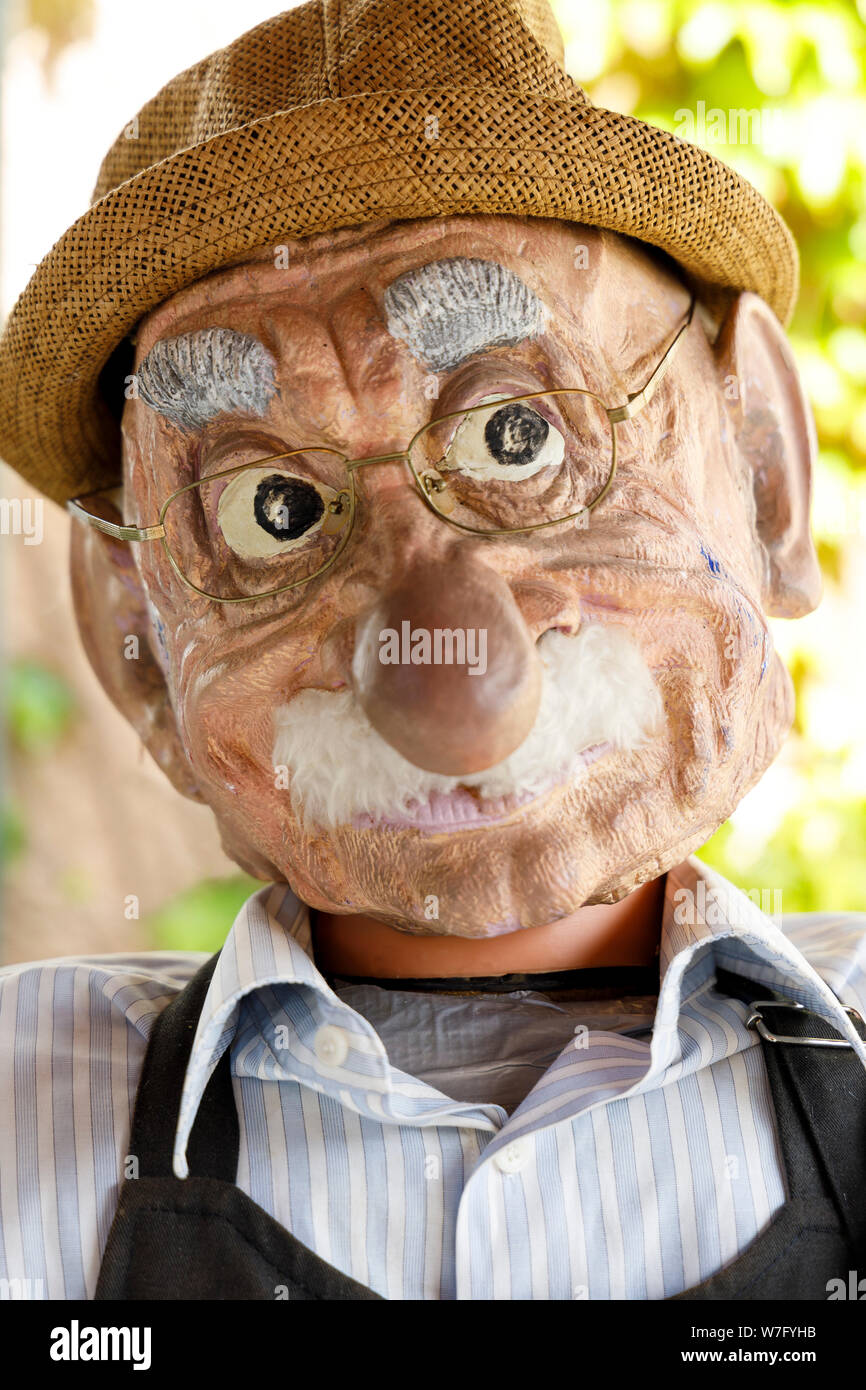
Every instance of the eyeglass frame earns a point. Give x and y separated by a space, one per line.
635 402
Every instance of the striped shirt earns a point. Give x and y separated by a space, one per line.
639 1154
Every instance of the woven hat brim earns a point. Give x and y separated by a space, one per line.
287 175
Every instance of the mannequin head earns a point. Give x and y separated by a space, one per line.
630 694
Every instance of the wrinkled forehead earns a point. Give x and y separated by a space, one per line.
316 271
442 291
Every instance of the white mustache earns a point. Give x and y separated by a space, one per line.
596 688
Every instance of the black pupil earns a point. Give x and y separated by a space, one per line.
287 507
515 434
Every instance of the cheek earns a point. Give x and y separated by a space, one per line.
720 684
228 735
224 703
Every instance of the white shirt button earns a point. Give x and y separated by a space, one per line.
331 1045
513 1157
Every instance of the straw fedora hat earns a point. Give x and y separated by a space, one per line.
333 114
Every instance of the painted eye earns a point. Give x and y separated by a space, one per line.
508 441
262 513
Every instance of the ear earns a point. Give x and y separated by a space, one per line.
775 436
111 611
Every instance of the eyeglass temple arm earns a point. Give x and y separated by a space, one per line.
111 528
638 399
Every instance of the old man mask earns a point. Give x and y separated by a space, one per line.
490 670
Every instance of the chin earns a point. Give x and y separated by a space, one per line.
480 870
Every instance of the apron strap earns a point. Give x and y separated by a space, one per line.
819 1095
214 1144
819 1099
201 1237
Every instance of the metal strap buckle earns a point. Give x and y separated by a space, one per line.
756 1021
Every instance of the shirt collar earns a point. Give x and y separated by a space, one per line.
267 961
706 923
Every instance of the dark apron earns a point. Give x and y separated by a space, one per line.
203 1238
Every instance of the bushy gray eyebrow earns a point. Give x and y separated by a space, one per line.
447 310
214 371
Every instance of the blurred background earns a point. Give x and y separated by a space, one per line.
100 854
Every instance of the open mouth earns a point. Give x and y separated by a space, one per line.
464 807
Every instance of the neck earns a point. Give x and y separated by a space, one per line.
625 933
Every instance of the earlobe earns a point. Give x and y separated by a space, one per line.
775 436
115 628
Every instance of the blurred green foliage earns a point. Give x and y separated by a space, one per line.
815 856
39 706
201 918
800 68
13 836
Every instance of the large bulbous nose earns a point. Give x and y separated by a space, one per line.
446 714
